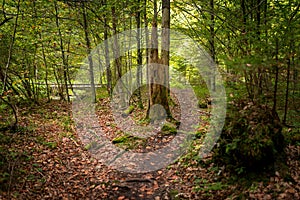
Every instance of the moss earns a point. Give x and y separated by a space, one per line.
128 111
169 128
121 139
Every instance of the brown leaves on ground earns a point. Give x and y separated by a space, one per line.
46 160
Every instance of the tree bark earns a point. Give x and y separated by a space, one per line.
88 49
65 64
107 56
139 55
158 68
116 52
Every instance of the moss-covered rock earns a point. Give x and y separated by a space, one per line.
251 137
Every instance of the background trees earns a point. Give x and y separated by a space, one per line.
43 44
255 44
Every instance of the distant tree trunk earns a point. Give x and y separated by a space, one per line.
276 78
68 71
88 49
139 55
212 43
116 47
46 69
59 83
116 52
44 60
146 36
107 56
287 91
129 54
65 64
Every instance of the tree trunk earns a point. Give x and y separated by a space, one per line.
88 49
287 91
212 44
65 64
158 75
146 38
5 76
116 51
165 54
139 55
276 78
107 56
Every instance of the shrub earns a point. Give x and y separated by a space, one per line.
251 137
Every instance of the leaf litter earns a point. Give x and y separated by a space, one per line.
45 159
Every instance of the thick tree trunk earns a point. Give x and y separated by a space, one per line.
158 68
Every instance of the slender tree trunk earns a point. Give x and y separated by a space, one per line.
115 43
88 50
107 57
10 104
146 38
165 53
139 55
212 43
65 64
287 91
68 71
116 52
276 78
129 54
44 58
46 69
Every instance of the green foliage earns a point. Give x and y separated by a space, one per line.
101 93
251 138
201 91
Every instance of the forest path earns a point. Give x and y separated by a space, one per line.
46 160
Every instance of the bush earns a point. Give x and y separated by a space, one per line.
251 137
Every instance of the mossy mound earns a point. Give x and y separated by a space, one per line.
251 137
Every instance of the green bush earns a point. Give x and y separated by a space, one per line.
251 137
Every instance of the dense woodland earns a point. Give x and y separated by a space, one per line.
252 44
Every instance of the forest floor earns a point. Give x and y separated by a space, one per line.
45 159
